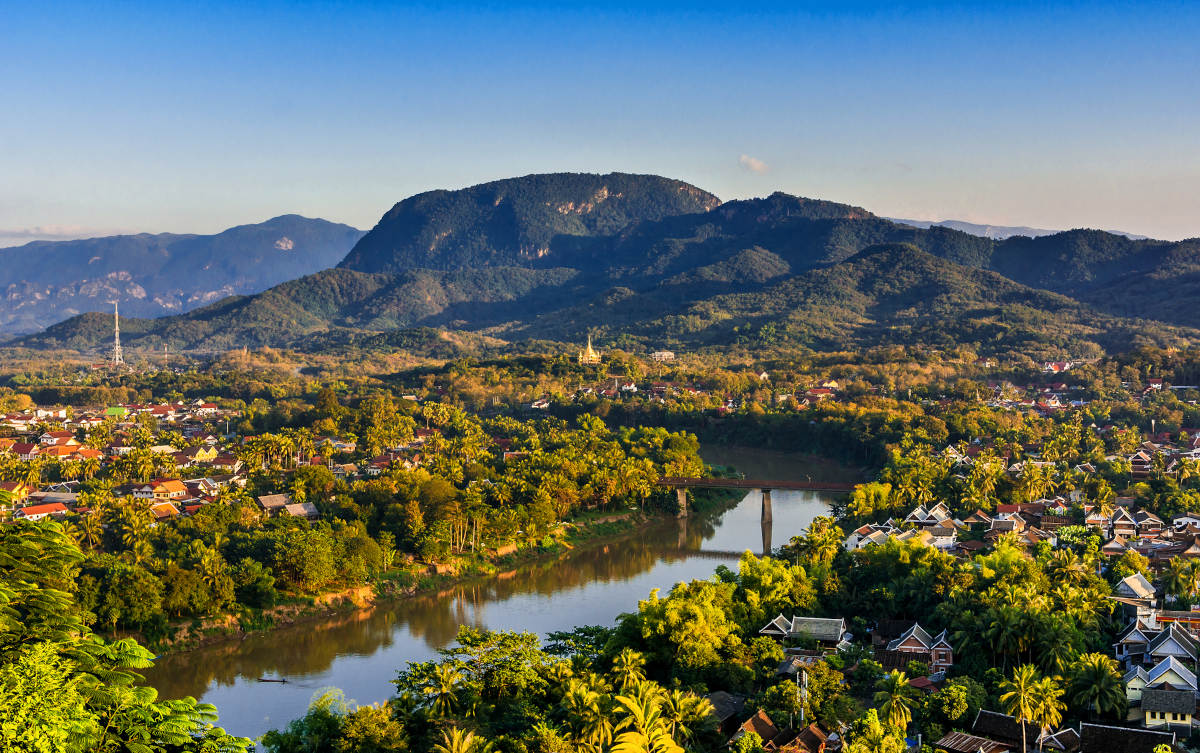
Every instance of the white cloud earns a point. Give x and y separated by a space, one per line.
753 164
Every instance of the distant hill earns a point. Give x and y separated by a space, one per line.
656 261
44 282
997 232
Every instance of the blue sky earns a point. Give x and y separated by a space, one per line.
198 116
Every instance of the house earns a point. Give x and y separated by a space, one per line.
1104 738
1148 524
662 356
161 490
944 537
1141 463
1135 587
305 510
1096 519
164 511
16 489
274 503
1066 739
935 651
1123 523
58 438
1173 642
978 518
932 516
727 709
37 512
1130 648
811 739
760 724
1114 547
226 462
25 450
1168 708
923 685
1170 671
42 498
194 455
827 632
1004 729
961 742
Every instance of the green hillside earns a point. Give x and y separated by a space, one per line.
643 259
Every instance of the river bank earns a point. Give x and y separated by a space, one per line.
416 578
591 583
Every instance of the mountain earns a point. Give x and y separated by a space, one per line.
516 221
885 294
997 232
151 275
648 260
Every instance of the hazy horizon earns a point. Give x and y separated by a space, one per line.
179 118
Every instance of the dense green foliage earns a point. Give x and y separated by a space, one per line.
466 499
62 688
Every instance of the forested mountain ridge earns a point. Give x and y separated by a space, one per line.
516 221
664 263
44 282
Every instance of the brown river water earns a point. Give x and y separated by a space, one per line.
360 652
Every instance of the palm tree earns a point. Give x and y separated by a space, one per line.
142 464
89 468
140 553
1177 579
629 667
684 712
1003 632
645 730
1048 712
443 689
1095 684
895 699
1021 698
822 541
455 740
92 531
30 473
1066 567
587 715
69 470
1055 643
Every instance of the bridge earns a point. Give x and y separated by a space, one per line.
681 485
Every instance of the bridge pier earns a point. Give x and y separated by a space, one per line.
681 497
766 506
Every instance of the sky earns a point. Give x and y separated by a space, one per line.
131 117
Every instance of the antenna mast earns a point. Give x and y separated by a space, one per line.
117 360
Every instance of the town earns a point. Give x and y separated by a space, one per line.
1108 501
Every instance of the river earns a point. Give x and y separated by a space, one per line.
360 652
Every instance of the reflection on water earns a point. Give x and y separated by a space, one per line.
360 652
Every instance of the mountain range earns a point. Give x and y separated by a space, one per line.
997 232
44 282
646 261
